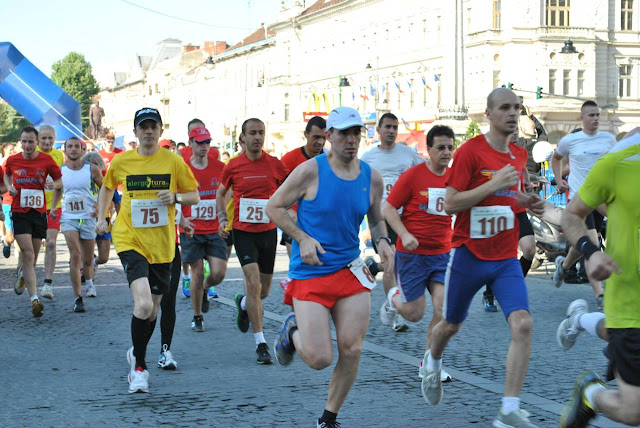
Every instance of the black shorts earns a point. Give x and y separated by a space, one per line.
32 222
286 239
594 221
257 247
623 352
201 246
525 225
136 266
392 235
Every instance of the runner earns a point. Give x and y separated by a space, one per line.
425 235
483 189
25 175
144 232
108 150
205 243
255 176
8 149
47 137
329 280
78 221
391 160
584 148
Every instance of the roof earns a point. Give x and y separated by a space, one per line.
320 4
254 37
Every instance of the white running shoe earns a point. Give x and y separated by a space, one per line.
558 275
138 381
399 323
444 376
166 361
47 291
387 314
431 384
569 330
91 291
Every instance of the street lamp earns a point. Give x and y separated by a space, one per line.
343 82
568 48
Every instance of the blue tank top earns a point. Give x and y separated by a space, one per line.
333 218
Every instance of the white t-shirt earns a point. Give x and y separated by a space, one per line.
583 150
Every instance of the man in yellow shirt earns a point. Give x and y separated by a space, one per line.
144 231
45 145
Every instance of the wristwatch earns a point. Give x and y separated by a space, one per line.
179 198
386 238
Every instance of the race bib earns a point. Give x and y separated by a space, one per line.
436 201
488 221
204 210
75 204
388 185
148 213
361 271
31 198
253 210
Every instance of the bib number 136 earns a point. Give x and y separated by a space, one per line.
148 213
486 222
31 198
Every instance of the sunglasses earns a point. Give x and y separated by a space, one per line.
203 142
441 148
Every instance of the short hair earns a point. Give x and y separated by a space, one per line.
195 120
588 103
48 128
181 144
387 116
316 121
29 129
439 131
72 138
93 158
226 153
248 121
5 147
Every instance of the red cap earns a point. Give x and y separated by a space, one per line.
164 143
200 134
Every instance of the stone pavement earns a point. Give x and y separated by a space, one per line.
68 369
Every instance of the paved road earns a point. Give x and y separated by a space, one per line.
68 369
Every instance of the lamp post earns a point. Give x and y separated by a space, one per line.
343 82
568 47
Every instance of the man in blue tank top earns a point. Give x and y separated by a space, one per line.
334 192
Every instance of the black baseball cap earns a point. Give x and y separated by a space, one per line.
146 113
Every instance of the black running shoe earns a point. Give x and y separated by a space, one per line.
197 324
78 305
242 317
372 265
6 250
264 357
205 302
579 412
325 424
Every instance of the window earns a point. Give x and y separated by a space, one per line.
626 15
496 79
624 82
558 13
496 14
580 82
552 81
566 81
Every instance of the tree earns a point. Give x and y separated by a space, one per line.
11 123
73 74
472 130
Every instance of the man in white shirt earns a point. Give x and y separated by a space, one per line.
584 148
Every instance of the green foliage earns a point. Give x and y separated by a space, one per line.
472 130
10 124
73 74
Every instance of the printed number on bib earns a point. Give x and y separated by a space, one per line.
361 271
489 221
253 211
74 204
31 198
148 213
388 185
204 210
436 201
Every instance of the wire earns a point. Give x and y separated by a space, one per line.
181 19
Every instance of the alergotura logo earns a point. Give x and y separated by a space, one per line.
148 182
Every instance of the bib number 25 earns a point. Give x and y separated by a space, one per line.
253 211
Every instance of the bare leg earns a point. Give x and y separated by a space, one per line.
622 405
519 352
197 269
75 261
50 254
29 246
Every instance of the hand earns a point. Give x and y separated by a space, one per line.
101 227
166 197
600 266
53 214
309 249
561 185
387 257
505 178
409 241
222 229
531 202
187 225
12 190
528 187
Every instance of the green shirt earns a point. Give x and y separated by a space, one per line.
615 181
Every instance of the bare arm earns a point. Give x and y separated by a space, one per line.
393 218
55 200
221 209
556 166
8 182
456 201
104 203
377 225
96 175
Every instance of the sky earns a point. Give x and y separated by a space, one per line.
109 33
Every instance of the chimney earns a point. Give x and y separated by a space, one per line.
265 29
220 47
190 48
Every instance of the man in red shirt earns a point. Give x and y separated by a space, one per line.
314 133
108 150
424 230
25 176
255 176
483 190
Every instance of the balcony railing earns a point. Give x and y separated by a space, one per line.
454 112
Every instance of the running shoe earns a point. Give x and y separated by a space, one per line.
20 284
558 275
138 381
213 294
37 308
579 411
489 303
431 385
399 324
205 303
372 265
515 419
444 376
91 291
600 302
387 313
197 324
131 360
325 424
47 291
264 357
186 283
242 317
166 361
6 250
569 330
283 345
78 305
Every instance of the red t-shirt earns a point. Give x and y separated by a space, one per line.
204 213
294 158
420 194
253 184
30 175
489 233
187 152
107 157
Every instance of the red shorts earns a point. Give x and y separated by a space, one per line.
54 223
326 290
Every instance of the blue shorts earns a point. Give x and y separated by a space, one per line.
414 273
466 274
6 209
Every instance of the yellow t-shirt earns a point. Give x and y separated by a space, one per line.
143 225
231 208
58 157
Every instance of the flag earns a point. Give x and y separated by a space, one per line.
424 82
400 91
406 125
363 95
436 78
372 89
384 88
353 96
409 86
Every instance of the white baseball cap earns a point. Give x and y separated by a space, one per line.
344 117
